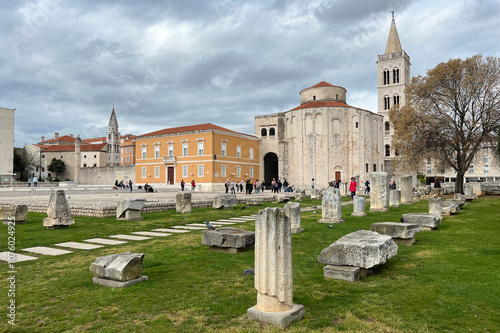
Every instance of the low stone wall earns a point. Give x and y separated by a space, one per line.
107 175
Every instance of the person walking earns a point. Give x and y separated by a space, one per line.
35 181
352 187
130 185
232 187
193 186
29 182
182 185
367 187
226 184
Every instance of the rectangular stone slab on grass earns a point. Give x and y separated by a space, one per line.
174 231
151 233
424 220
78 246
395 229
130 237
228 237
47 251
222 223
188 227
18 257
234 221
104 241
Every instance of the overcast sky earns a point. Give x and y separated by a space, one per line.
173 63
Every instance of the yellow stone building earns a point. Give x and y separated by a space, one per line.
206 153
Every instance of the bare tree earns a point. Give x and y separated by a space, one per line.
452 112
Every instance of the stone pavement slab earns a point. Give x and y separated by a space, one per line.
78 246
130 237
18 257
104 241
188 227
151 233
241 219
174 231
222 223
47 250
215 224
234 221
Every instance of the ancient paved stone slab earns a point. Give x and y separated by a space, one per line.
18 257
188 227
228 237
241 219
104 241
234 221
130 237
151 233
422 219
215 224
222 223
346 273
47 251
118 284
78 246
396 229
174 231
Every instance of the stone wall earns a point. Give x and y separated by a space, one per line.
107 175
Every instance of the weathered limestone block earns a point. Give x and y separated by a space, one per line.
16 214
436 207
346 273
476 188
226 201
283 198
229 240
331 207
426 221
130 209
119 268
363 248
300 193
407 190
401 233
315 193
59 215
467 191
183 202
343 188
273 270
461 202
359 206
394 198
292 211
450 207
379 193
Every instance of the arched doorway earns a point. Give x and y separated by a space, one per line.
270 168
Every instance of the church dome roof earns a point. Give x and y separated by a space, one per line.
323 92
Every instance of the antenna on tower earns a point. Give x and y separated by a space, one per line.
392 14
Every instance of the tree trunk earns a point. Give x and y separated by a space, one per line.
459 183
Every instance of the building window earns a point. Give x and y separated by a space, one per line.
201 146
144 172
184 171
200 170
238 151
251 153
387 126
238 171
386 76
429 170
429 161
128 150
357 124
128 159
122 159
374 168
223 149
486 168
251 172
486 159
395 75
184 149
314 98
223 171
387 103
157 151
84 165
387 150
366 165
471 169
144 153
170 150
272 132
263 132
157 172
396 100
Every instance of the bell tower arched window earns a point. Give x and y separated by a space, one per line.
263 132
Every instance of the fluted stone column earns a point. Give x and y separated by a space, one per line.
292 211
394 198
356 179
359 206
273 270
315 194
379 194
407 190
183 202
331 206
436 207
343 188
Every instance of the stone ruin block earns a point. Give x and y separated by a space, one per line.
450 207
59 214
426 221
436 207
476 188
279 198
401 233
226 201
359 206
130 209
460 201
300 193
379 193
331 207
183 202
292 211
315 193
228 239
394 198
13 213
346 273
255 202
362 248
407 190
118 270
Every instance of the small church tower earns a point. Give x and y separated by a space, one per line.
113 140
393 78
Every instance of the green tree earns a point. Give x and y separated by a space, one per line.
451 113
57 166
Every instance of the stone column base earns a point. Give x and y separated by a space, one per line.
118 284
408 242
379 210
283 319
331 221
231 249
359 214
297 231
346 273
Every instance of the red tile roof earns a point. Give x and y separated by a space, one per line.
102 138
323 84
191 128
319 105
64 138
83 147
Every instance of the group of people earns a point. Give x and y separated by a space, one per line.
34 180
123 185
193 185
249 185
278 186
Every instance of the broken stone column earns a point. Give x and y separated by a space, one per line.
379 193
356 179
476 188
315 194
292 211
130 209
183 202
59 215
394 198
436 207
273 270
359 206
226 201
343 188
331 206
300 194
118 270
16 214
407 190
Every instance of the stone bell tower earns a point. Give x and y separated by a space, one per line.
113 140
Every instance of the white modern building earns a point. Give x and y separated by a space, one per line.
6 146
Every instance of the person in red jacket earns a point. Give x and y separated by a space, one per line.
352 187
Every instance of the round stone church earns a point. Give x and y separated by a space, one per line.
323 138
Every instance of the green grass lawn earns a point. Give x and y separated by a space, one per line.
449 281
